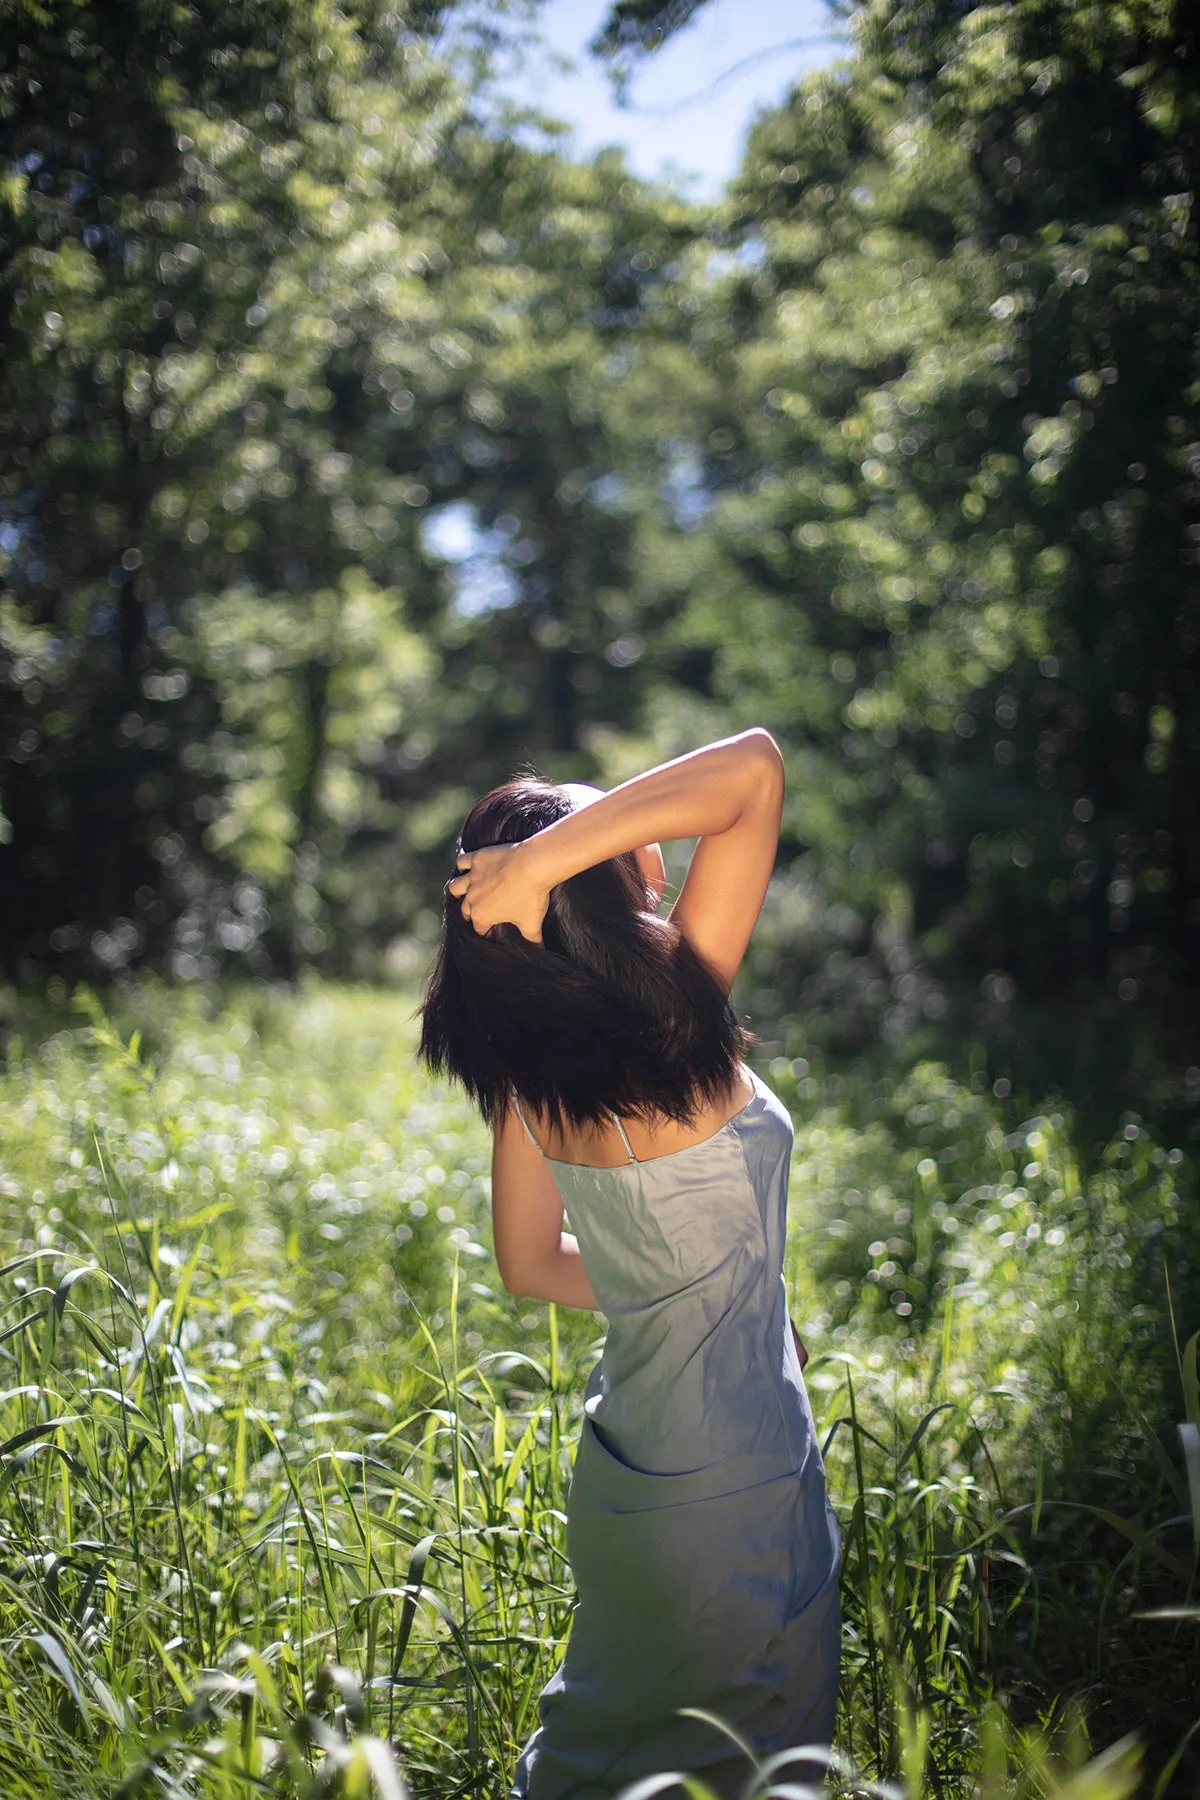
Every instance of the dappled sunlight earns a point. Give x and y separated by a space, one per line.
273 1428
367 440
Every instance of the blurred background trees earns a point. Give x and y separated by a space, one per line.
357 447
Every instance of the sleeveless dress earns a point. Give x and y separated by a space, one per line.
704 1549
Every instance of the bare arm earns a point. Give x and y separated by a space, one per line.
801 1352
729 795
536 1257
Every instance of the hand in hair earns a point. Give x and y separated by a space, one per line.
495 888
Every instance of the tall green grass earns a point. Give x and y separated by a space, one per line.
283 1471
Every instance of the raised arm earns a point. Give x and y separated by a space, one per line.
728 795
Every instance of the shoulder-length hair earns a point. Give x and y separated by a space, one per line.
613 1012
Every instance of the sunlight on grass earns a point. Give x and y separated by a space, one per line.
283 1470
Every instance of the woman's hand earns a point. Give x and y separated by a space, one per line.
496 887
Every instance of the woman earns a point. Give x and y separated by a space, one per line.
599 1042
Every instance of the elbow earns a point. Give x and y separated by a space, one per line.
763 756
517 1278
510 1274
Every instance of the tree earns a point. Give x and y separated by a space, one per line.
302 298
176 397
951 473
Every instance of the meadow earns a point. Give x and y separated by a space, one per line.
283 1468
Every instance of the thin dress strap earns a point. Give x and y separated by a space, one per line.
624 1138
520 1111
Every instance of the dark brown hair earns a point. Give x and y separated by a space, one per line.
613 1012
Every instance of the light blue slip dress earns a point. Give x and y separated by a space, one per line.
704 1549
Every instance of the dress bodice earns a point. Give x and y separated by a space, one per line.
685 1256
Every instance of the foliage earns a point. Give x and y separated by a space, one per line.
262 321
181 205
363 447
284 1473
950 458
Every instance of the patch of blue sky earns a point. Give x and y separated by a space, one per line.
480 580
684 489
689 105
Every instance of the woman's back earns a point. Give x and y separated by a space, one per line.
684 1252
609 1143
